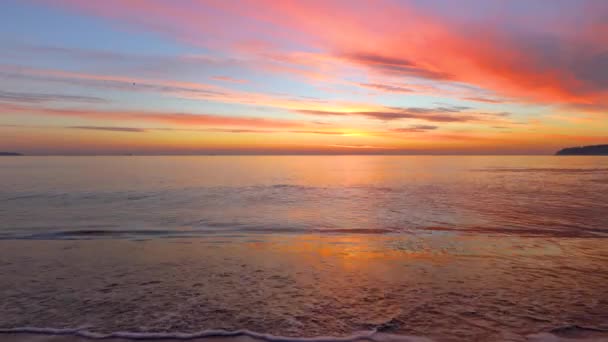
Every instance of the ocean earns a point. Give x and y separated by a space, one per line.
444 248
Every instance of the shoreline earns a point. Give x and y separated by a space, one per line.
565 334
76 335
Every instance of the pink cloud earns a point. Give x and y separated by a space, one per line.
228 79
550 62
181 89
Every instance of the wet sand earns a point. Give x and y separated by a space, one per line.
475 289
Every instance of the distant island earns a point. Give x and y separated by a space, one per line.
10 154
594 150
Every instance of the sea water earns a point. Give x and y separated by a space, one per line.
450 248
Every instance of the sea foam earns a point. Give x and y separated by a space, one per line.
372 335
575 334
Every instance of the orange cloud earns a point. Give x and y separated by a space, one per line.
180 119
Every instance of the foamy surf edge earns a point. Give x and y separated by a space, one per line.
372 335
78 334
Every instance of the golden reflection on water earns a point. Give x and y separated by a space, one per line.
355 248
468 287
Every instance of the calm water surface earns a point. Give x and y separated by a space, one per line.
450 248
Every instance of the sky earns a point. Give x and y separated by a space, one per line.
302 77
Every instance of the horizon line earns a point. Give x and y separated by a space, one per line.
276 154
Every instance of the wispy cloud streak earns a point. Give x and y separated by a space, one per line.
180 119
436 114
37 98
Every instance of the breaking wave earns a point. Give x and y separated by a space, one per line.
561 334
89 234
372 335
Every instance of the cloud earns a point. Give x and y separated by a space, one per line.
185 122
133 84
386 87
415 129
509 52
224 130
483 99
532 56
320 132
357 146
593 70
228 79
393 65
179 89
22 49
218 130
112 129
175 129
393 115
37 98
179 119
445 114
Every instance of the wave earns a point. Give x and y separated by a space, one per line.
305 187
212 230
92 234
137 195
550 170
234 230
571 333
201 191
372 335
575 232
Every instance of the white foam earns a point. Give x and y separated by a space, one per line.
372 335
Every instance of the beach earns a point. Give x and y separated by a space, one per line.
304 171
393 245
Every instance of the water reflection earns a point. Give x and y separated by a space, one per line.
461 248
467 287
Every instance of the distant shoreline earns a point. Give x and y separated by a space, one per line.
10 154
284 155
592 150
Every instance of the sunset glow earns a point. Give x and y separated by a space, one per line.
302 77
